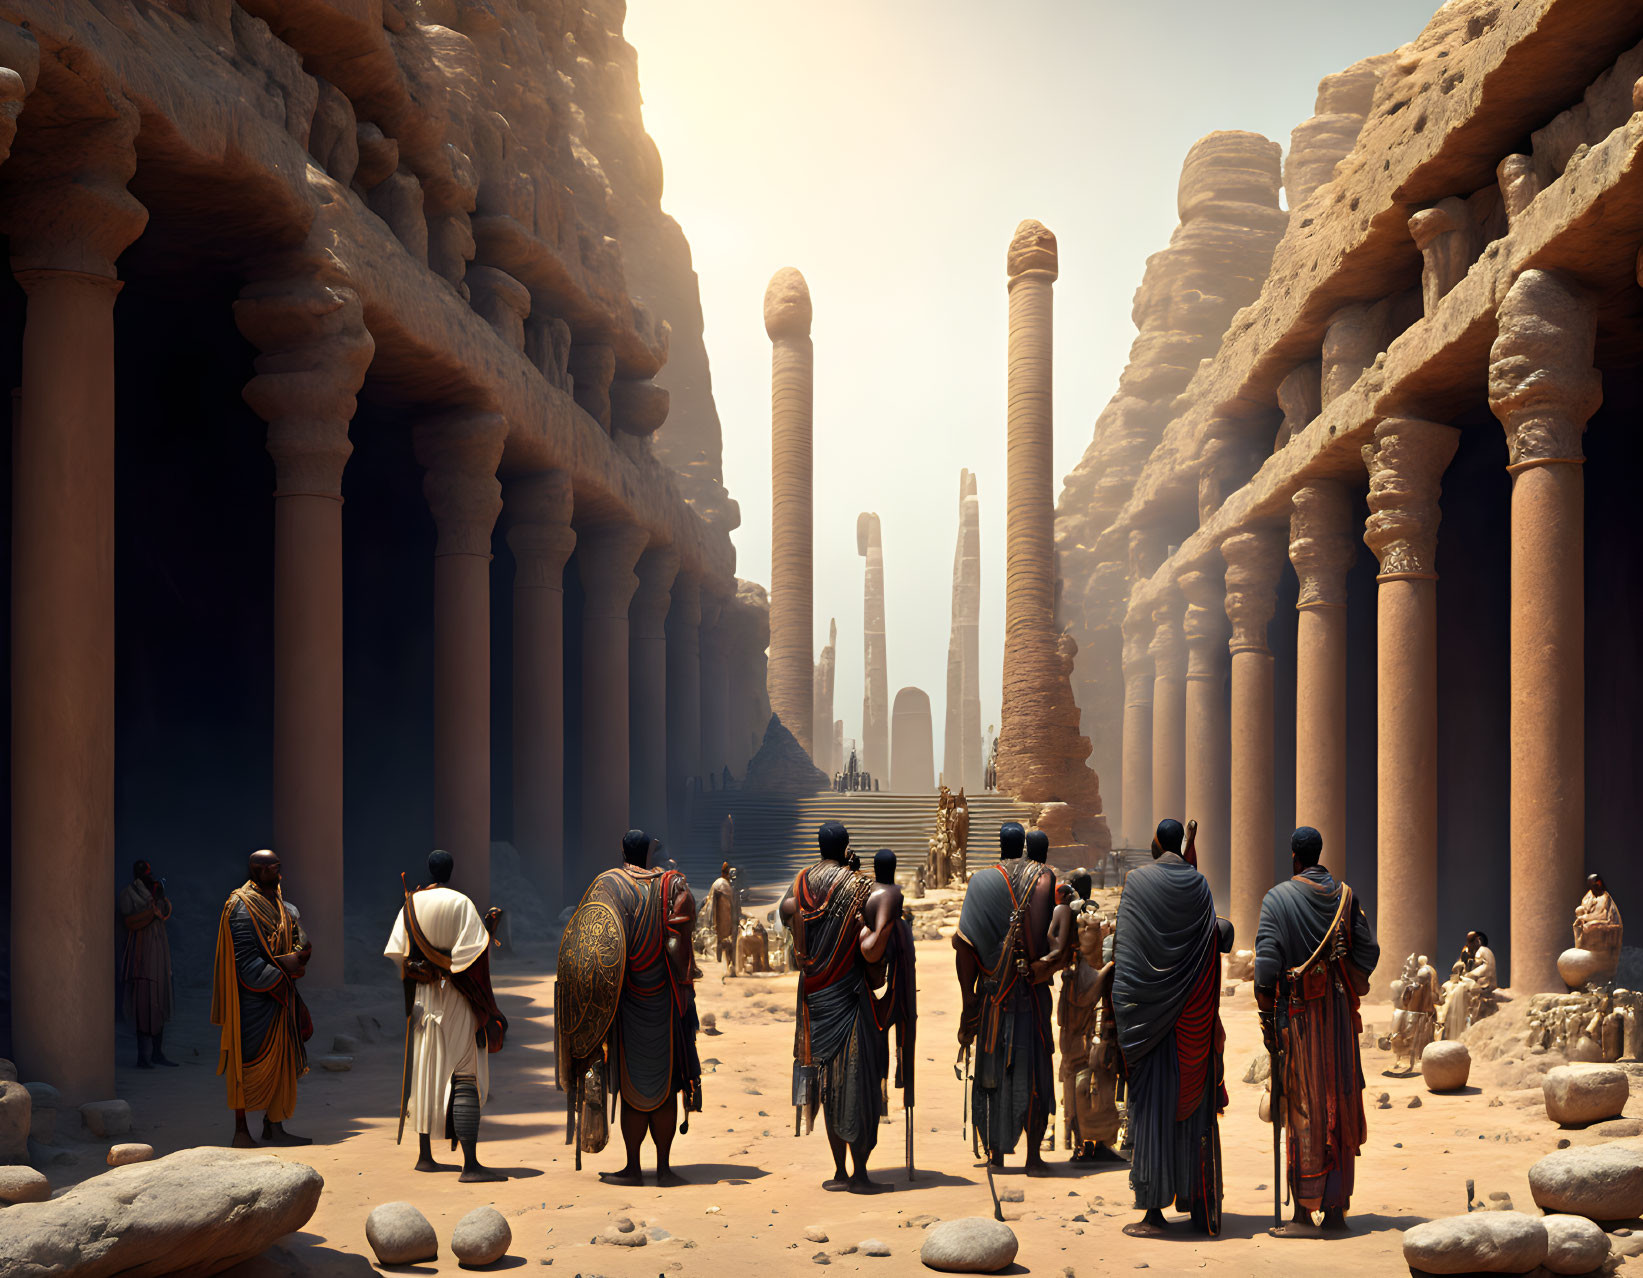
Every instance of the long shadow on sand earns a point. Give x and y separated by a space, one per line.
718 1173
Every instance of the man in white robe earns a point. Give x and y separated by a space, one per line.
442 954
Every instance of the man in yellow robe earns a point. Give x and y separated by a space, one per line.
254 998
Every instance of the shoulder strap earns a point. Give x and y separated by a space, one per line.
1343 912
429 952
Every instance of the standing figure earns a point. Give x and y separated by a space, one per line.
1088 1052
254 999
1167 1000
724 908
1314 952
441 947
646 1045
145 963
887 946
1419 1001
836 1042
1003 931
1457 1003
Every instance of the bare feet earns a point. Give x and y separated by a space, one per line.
477 1174
1295 1229
242 1140
627 1176
429 1165
667 1178
860 1184
1036 1166
275 1134
836 1185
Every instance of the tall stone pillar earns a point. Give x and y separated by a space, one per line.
1323 549
962 762
790 673
1205 629
1542 387
1040 751
307 322
826 678
461 453
67 229
1406 464
684 695
715 691
647 690
1138 681
875 698
541 537
606 555
1169 712
1254 560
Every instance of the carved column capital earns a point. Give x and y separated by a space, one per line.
1321 543
1254 560
301 312
656 569
1205 623
606 557
1542 385
1225 464
539 510
1168 645
71 212
1406 464
461 453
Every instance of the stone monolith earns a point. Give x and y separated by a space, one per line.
875 699
962 763
912 743
791 673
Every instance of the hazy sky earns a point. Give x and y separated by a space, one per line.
887 149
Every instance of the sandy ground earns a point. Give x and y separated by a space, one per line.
754 1187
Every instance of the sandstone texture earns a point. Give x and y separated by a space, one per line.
1488 1242
16 1114
875 698
1574 1245
23 1185
197 1211
1445 1066
481 1237
120 1155
1602 1182
970 1245
399 1234
1586 1093
104 1119
963 764
44 1099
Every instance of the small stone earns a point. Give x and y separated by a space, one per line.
120 1155
710 1023
1414 1102
481 1237
873 1247
347 1044
815 1234
400 1235
1012 1196
969 1245
849 1249
1495 1102
1445 1066
335 1064
105 1119
1574 1245
614 1237
1260 1068
623 1224
23 1185
822 1258
1496 1242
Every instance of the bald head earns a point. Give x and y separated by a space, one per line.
263 869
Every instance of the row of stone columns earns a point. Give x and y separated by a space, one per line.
1184 757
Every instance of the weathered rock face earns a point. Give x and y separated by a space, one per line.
1581 1094
1317 145
23 1185
962 761
1602 1182
1574 1245
781 766
746 625
1486 1242
198 1211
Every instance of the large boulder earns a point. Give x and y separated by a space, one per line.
969 1245
1485 1242
1600 1182
1574 1245
400 1235
1580 1094
198 1211
16 1113
484 1235
1446 1066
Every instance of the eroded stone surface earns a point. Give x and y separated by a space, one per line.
481 1237
1490 1242
399 1234
1584 1093
969 1245
1574 1245
1603 1182
1445 1066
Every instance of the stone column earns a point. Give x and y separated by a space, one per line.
1322 548
1041 753
539 534
1542 387
822 701
1205 629
1169 712
791 669
647 690
461 453
684 695
715 691
875 699
67 229
1254 560
1137 762
606 555
1406 464
967 611
301 313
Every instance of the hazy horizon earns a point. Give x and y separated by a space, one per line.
888 152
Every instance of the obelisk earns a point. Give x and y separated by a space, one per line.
875 700
791 674
826 675
1040 751
962 764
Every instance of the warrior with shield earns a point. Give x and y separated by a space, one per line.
441 946
626 1009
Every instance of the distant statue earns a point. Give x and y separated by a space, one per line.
727 836
1418 1004
1457 1003
989 779
1479 962
724 908
1597 919
752 947
959 831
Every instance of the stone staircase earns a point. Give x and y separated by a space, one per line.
776 834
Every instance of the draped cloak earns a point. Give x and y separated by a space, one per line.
1319 1028
145 959
1013 1065
261 1052
836 1033
655 1028
1167 1003
895 1002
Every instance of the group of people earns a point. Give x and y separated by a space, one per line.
1139 1014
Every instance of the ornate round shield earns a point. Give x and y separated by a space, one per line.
592 961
